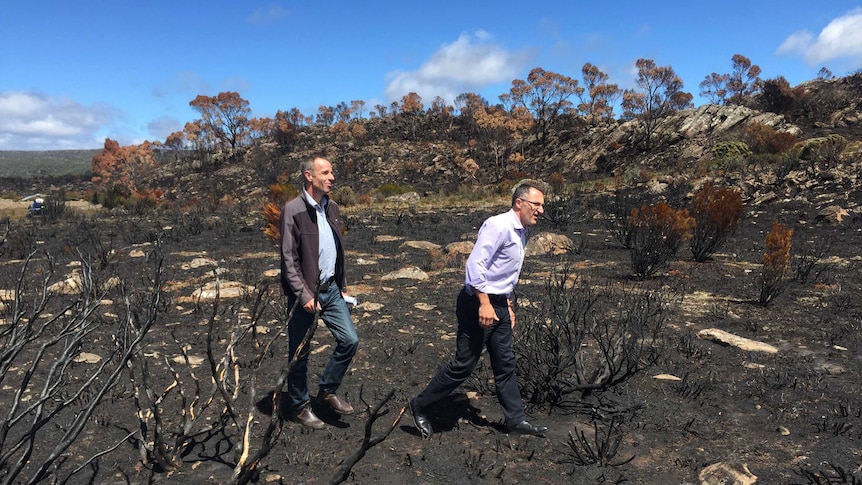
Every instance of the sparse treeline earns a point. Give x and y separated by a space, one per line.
496 133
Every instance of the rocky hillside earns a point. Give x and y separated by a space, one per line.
807 151
786 143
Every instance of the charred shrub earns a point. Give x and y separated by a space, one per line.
775 259
617 209
779 97
717 212
20 240
564 210
658 231
580 339
601 448
809 260
55 206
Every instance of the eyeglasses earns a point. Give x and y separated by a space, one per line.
536 205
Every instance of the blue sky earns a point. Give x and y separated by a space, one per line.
75 72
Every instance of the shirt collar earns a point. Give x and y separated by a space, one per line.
313 202
516 221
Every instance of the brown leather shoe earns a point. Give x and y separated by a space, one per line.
307 418
337 404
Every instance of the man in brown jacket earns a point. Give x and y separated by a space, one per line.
312 263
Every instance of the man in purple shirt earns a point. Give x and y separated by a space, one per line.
485 315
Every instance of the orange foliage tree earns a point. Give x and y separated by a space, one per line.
545 95
121 169
762 138
325 115
224 117
737 86
658 231
598 97
660 95
744 80
279 194
776 259
717 212
498 130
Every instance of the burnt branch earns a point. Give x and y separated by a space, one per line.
375 413
51 404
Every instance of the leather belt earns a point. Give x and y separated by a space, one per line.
325 285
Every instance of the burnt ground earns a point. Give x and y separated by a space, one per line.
794 416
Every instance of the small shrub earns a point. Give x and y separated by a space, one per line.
617 209
717 212
730 150
826 150
279 193
557 181
389 189
775 262
344 196
658 231
581 339
564 210
763 138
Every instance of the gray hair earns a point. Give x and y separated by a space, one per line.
523 187
307 165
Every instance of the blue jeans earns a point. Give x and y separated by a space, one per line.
336 317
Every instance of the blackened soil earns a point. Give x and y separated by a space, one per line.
791 416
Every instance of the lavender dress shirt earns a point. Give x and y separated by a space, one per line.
495 262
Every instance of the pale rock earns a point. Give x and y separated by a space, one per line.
460 247
411 273
426 245
720 336
548 243
407 198
730 473
199 263
88 358
386 238
225 289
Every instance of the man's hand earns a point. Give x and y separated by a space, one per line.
487 315
512 315
310 305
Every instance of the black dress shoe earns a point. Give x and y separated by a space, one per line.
524 427
420 420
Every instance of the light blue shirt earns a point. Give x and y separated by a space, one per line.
327 252
495 262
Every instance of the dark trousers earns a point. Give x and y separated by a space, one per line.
471 339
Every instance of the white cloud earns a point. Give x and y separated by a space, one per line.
262 16
841 38
160 128
33 121
466 65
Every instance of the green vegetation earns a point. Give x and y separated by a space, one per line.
27 164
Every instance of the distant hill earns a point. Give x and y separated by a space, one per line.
28 164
